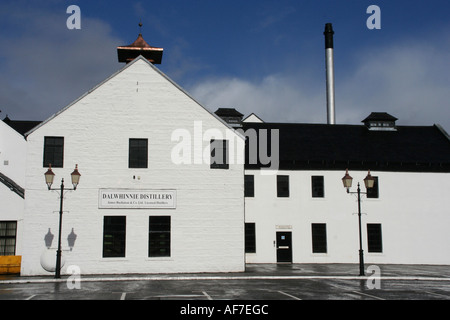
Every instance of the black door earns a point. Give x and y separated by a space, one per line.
284 247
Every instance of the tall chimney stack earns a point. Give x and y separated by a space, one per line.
331 118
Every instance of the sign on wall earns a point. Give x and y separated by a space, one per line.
136 199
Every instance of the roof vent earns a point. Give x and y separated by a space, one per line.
230 116
380 121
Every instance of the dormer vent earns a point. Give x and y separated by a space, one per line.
380 121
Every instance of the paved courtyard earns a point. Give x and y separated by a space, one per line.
258 283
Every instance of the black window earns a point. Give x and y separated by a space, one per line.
319 237
138 153
53 152
374 240
219 154
159 236
373 192
250 238
8 238
249 185
317 186
114 236
283 186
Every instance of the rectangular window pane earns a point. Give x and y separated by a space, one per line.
138 153
53 152
219 154
114 231
373 192
374 240
250 238
8 238
249 186
283 186
159 236
317 186
319 237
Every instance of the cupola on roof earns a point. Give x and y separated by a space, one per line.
139 47
380 121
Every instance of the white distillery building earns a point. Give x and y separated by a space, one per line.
165 187
12 181
141 205
303 214
13 149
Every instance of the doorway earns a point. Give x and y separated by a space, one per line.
284 247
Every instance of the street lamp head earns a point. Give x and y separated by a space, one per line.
49 176
369 181
347 180
75 177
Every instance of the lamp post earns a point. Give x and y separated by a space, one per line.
368 182
49 176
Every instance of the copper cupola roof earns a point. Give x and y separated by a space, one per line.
140 47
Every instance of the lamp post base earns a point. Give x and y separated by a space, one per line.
361 263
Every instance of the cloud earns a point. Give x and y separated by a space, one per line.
408 80
276 97
45 65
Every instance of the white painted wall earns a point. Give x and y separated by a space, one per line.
207 226
12 164
413 209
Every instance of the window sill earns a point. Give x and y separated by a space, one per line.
159 259
113 259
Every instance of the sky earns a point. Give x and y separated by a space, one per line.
265 57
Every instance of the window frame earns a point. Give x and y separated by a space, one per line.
163 228
4 237
117 245
250 237
214 146
319 238
283 191
53 152
249 186
136 154
374 238
374 192
317 191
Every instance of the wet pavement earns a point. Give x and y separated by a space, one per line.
260 282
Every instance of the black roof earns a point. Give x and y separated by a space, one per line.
337 147
21 126
380 116
228 112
